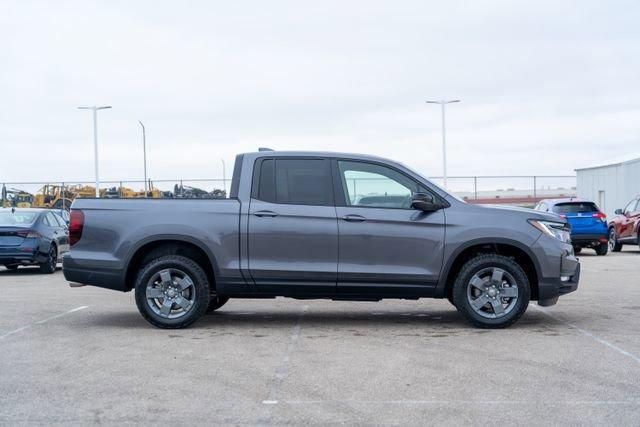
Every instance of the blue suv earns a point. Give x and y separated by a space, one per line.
588 223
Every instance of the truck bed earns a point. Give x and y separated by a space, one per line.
116 229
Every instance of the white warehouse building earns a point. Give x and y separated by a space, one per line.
611 184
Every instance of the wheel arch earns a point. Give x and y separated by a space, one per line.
176 245
520 252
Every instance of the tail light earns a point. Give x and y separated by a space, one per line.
76 224
563 216
602 217
28 234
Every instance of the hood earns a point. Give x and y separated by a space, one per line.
524 212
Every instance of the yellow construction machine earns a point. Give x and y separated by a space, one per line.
13 197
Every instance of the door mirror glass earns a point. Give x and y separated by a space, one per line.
424 202
618 212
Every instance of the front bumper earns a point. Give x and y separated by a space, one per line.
551 288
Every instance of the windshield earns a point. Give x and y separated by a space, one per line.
447 192
575 207
7 218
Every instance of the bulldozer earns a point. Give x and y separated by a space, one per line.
13 197
58 197
53 196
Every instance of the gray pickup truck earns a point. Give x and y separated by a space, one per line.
321 225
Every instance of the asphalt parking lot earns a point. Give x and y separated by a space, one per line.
85 355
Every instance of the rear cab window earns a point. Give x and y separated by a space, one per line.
294 181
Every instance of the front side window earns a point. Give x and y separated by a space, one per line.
372 185
631 207
296 182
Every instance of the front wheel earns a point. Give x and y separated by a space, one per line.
491 291
614 245
216 302
12 266
172 291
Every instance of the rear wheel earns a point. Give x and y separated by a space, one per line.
614 245
491 291
602 249
49 265
12 266
577 249
216 302
172 291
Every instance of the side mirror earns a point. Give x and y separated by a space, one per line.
618 212
424 202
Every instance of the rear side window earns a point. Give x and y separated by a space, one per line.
295 181
50 220
575 207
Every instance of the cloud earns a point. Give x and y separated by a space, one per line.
545 86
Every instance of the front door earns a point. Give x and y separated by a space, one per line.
293 232
386 246
627 230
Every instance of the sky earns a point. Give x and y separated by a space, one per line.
545 86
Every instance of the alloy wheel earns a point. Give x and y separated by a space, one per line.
612 239
492 292
53 258
170 293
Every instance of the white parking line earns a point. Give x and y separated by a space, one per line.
40 322
589 334
281 371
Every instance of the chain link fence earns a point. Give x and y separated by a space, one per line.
518 190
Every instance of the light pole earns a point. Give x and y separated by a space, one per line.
444 138
95 140
224 176
144 150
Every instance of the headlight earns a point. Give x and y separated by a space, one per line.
558 230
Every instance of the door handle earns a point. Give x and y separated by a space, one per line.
268 214
354 218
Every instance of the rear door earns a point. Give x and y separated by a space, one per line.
63 239
386 246
293 231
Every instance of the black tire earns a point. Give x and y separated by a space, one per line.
483 263
200 297
49 265
577 249
215 302
602 249
12 266
614 245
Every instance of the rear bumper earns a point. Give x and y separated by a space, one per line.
21 258
85 274
589 239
